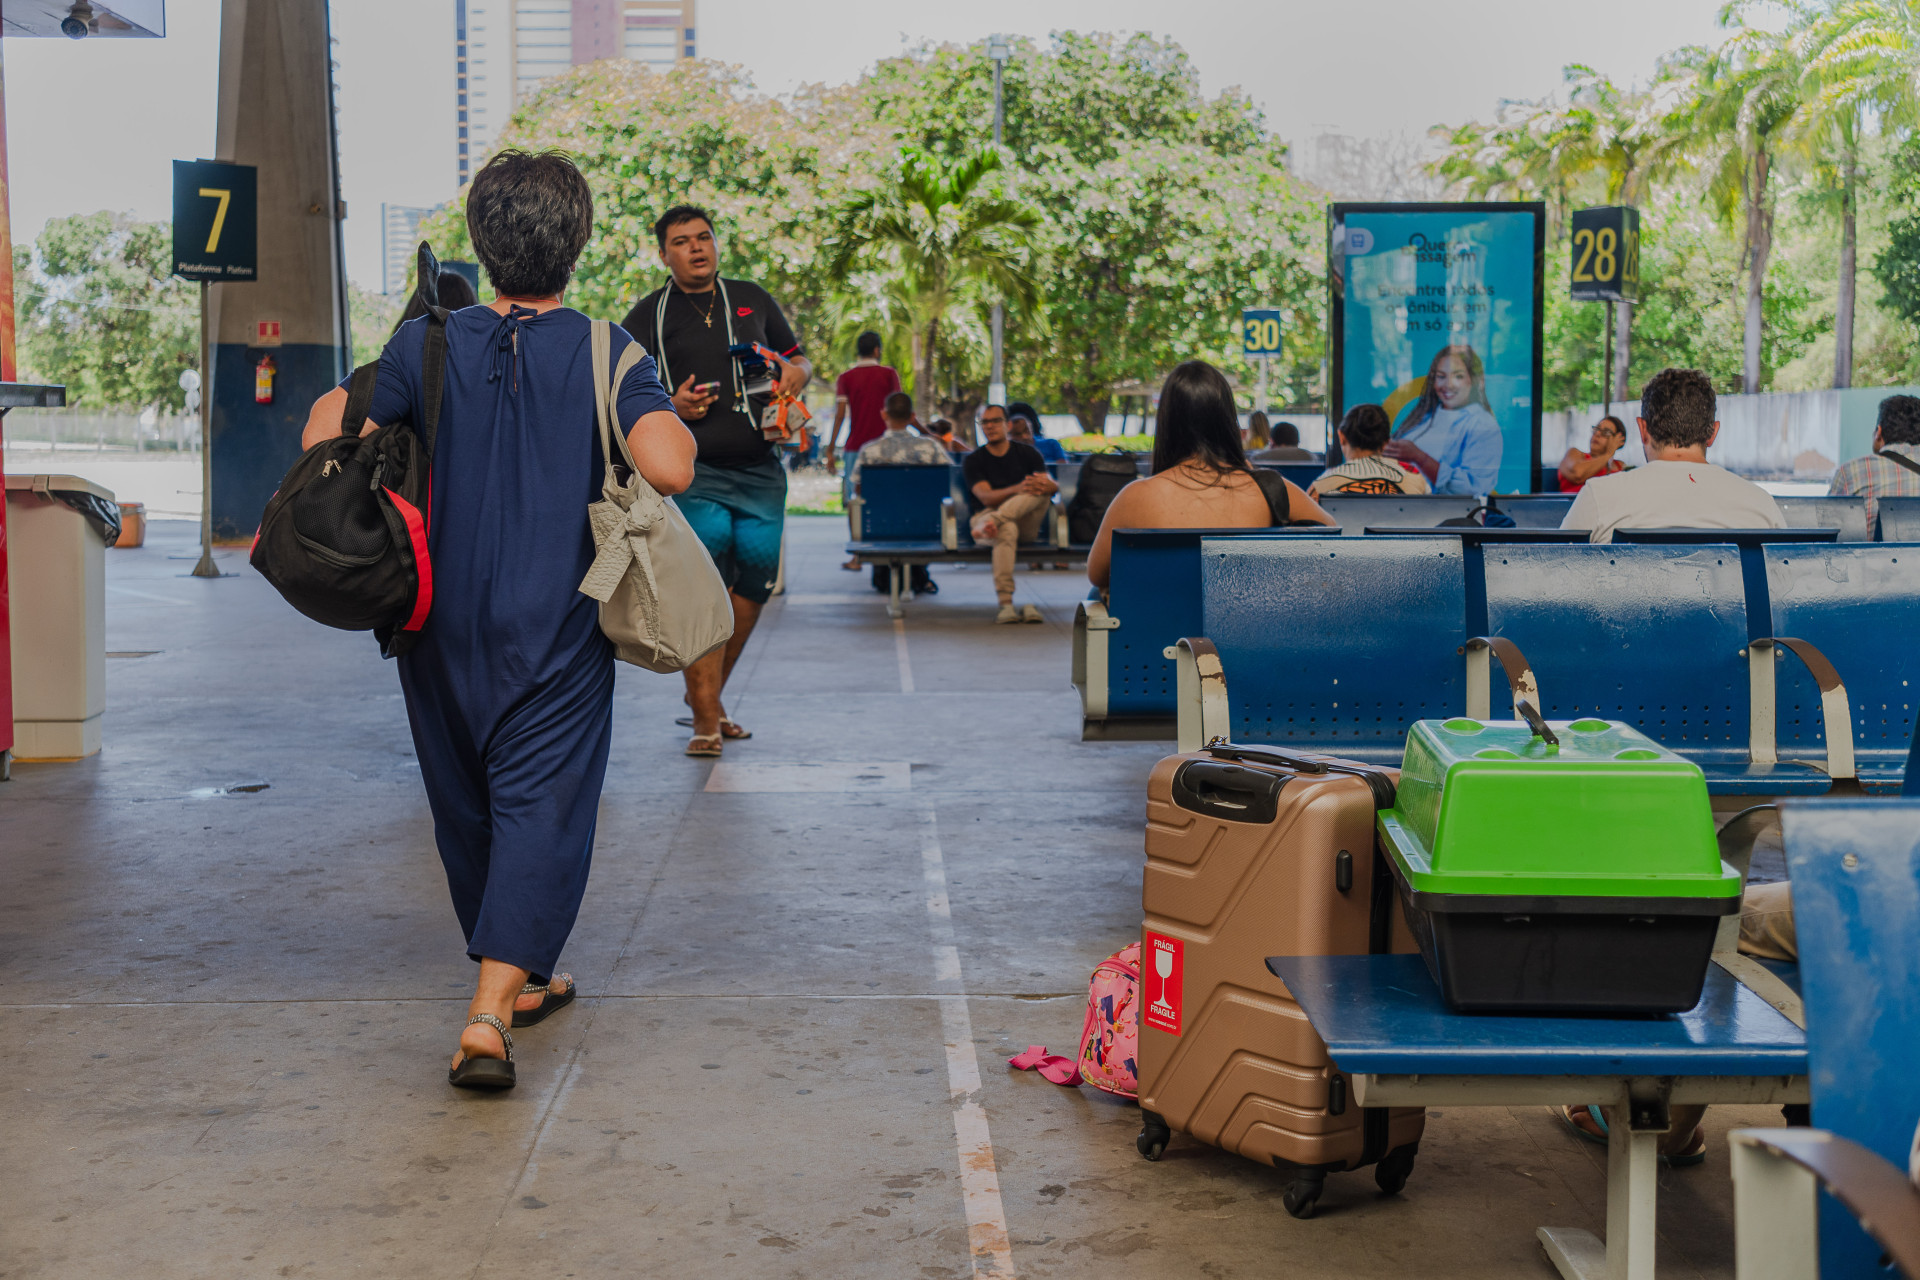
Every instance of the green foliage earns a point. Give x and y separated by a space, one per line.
1161 212
1897 267
97 310
373 316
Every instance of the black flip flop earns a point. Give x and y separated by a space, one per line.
485 1073
551 1001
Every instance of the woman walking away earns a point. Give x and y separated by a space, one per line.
510 689
1201 477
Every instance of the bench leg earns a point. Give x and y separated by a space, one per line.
894 573
1633 1163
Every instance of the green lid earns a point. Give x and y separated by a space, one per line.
1488 808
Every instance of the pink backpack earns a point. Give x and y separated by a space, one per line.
1110 1035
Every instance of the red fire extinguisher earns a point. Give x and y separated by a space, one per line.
263 381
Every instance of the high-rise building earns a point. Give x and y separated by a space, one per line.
399 240
505 48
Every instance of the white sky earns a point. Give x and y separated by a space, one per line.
94 124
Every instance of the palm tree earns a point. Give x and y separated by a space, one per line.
935 231
1739 117
1862 60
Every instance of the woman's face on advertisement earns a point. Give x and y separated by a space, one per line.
1452 383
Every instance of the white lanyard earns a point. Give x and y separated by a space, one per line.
660 339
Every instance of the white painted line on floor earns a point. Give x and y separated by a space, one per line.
833 597
987 1237
811 776
900 653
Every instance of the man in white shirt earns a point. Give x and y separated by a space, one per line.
1677 488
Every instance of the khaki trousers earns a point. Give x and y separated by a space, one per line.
1006 526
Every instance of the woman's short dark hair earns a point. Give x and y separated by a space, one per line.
1197 421
1679 407
1366 426
1619 427
529 215
675 216
1899 420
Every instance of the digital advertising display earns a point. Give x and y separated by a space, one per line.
1434 313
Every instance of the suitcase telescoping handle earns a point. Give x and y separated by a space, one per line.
1379 783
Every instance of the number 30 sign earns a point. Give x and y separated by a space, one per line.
1606 254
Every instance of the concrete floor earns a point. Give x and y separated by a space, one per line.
226 1015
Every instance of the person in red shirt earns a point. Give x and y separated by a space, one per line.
859 396
1579 466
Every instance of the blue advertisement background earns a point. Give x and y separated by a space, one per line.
1417 281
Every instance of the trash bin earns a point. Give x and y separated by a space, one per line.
58 528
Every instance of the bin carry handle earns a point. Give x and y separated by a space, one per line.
1520 678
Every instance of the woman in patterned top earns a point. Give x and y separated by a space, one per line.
1363 432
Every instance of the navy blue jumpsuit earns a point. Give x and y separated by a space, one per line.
510 689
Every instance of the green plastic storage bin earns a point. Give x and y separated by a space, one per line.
1577 876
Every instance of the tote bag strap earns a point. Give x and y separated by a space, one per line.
606 397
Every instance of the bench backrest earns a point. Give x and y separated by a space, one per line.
1535 511
1651 635
1859 604
902 503
1855 867
1336 644
1356 511
1301 473
1154 590
1848 515
1900 519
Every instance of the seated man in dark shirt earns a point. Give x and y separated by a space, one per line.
1008 489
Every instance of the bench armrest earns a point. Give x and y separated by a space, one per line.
1057 521
1776 1173
1204 712
1835 712
854 506
1091 622
949 524
1520 679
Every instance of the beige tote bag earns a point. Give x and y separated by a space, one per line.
662 602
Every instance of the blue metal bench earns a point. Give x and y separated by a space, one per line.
1356 511
915 514
1329 645
1859 605
1123 646
1855 868
1533 510
1848 515
1388 1030
1655 636
1301 473
1899 520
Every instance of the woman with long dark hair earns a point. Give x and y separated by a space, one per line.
1451 435
1201 477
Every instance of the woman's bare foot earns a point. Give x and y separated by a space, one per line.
479 1041
496 993
560 984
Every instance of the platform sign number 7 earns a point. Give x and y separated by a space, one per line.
215 220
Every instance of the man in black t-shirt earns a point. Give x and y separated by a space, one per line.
737 503
1010 491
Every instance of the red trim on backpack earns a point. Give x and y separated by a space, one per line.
423 562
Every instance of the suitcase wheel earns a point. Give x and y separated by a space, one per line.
1154 1136
1303 1193
1392 1171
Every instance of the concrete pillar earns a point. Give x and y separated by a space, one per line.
276 112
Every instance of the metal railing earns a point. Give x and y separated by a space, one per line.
65 430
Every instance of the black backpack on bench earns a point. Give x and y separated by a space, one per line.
344 538
1102 477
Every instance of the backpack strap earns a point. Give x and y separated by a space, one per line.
1273 487
359 398
1900 458
433 376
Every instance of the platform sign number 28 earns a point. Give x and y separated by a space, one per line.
215 220
1606 254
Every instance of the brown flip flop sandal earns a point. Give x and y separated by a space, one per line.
729 729
706 746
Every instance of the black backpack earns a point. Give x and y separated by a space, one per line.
344 538
1102 477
